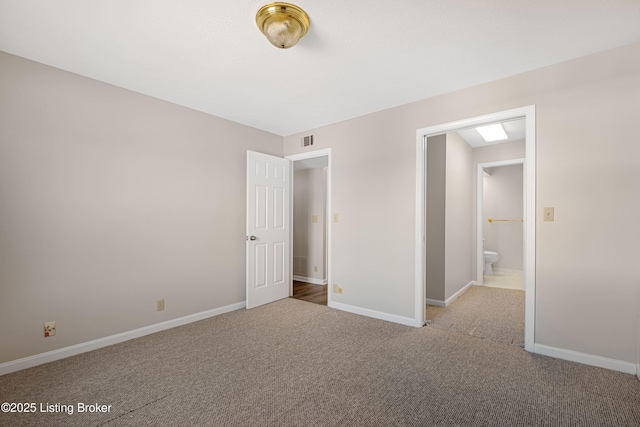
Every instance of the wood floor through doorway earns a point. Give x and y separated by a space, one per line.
316 294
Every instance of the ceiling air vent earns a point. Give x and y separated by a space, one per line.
307 141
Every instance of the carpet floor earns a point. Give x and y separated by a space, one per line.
292 363
484 312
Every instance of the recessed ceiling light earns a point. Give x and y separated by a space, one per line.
492 133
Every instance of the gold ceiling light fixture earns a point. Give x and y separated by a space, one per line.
283 23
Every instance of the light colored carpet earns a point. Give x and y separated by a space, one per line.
293 363
484 312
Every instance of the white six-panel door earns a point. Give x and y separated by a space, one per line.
268 222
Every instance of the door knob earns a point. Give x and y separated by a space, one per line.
253 238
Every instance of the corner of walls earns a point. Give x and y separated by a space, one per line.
452 298
459 265
112 200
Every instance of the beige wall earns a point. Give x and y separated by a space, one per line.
459 239
110 200
587 157
449 216
435 216
498 152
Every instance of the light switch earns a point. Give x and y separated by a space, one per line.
548 214
314 218
335 217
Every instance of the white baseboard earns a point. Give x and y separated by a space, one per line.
587 359
452 298
61 353
409 321
310 280
436 302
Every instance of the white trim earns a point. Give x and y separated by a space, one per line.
529 267
529 274
587 359
455 296
311 280
452 298
373 313
436 302
61 353
328 215
309 154
421 230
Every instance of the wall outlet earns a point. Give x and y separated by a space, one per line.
49 329
337 289
160 305
315 268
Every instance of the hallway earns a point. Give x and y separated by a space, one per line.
489 313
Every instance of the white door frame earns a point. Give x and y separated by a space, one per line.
480 209
303 156
529 273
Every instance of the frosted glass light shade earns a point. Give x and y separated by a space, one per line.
283 24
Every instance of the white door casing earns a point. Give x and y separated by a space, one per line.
529 272
480 210
268 228
325 152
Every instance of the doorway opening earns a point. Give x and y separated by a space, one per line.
310 231
499 224
471 246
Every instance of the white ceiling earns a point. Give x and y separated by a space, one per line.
360 56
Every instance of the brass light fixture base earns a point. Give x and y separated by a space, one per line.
283 23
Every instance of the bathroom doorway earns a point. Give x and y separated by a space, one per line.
500 224
310 231
471 247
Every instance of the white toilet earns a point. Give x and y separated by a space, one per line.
489 258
